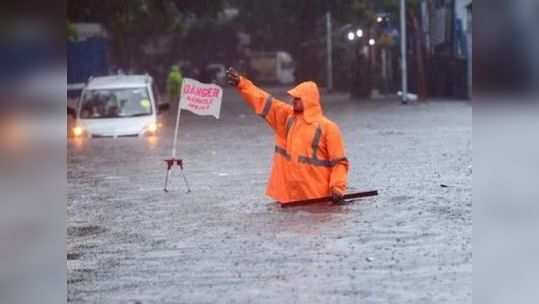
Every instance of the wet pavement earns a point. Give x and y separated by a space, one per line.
225 242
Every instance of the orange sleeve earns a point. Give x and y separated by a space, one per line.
274 111
335 145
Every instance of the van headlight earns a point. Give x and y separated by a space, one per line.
77 131
151 129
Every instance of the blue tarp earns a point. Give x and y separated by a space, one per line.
86 58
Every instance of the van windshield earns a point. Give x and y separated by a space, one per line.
115 103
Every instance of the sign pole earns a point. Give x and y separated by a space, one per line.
329 51
175 139
179 162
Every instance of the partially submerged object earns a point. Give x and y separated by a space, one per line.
347 197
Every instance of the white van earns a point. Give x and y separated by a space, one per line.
275 67
118 106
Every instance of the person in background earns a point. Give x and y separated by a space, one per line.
174 83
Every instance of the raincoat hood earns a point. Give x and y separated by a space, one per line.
309 94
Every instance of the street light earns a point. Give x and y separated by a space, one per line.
350 36
372 42
380 19
359 33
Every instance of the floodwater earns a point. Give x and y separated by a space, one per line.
225 242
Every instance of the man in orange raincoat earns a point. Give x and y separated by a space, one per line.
309 160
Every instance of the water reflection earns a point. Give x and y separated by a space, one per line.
152 141
78 143
309 219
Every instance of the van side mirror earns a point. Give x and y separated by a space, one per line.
163 107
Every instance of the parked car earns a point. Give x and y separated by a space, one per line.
118 106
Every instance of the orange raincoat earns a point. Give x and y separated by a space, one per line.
309 160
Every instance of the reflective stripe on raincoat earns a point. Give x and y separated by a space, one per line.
309 159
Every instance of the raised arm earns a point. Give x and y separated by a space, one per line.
275 112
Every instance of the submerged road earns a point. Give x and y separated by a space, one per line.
129 242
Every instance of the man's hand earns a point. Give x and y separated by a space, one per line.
337 197
232 77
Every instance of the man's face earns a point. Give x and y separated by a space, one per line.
298 105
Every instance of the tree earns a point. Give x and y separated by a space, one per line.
132 23
414 40
287 25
